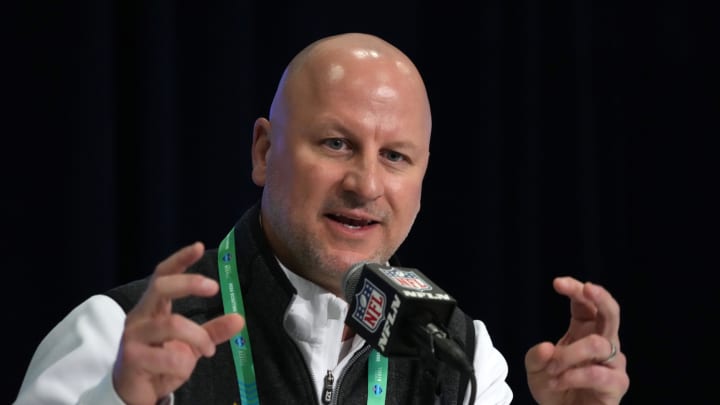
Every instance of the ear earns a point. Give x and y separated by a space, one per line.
260 150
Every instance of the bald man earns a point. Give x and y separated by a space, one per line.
260 318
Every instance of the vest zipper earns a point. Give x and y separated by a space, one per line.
328 388
336 395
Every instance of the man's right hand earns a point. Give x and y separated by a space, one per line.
159 349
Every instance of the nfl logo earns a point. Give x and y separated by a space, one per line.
406 279
369 306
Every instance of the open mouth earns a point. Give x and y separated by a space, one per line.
352 223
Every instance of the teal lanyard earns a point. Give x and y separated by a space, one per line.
240 343
377 378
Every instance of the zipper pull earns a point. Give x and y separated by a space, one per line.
328 390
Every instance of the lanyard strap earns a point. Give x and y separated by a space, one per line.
240 343
233 303
377 378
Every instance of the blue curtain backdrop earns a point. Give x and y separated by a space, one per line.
570 138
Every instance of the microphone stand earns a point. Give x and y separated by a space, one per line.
438 349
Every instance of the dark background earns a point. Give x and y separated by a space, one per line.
570 138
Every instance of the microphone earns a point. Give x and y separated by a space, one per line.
401 313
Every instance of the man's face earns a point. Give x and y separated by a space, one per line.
344 169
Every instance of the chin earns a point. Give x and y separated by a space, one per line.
343 263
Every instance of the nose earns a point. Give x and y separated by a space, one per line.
364 178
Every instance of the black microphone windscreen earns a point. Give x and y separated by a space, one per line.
391 306
351 279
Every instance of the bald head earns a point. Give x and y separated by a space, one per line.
363 63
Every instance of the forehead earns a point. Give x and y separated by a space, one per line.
364 82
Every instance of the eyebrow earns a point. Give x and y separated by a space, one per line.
333 124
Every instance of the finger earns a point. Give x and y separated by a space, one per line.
174 359
603 381
608 310
157 331
180 260
537 358
591 349
224 327
183 285
568 286
161 290
581 307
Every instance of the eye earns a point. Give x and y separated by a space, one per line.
335 143
394 156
